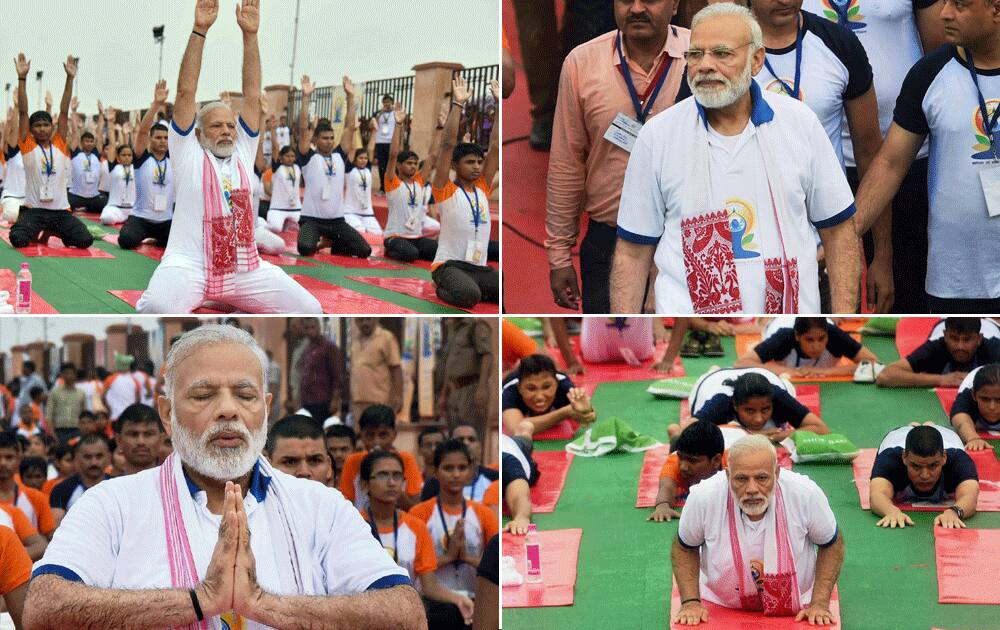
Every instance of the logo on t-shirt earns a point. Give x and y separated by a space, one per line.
742 224
618 323
847 13
982 146
757 573
778 86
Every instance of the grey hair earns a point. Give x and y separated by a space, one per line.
729 8
750 444
208 334
209 107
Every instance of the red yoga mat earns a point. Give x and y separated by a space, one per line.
424 290
968 565
340 300
56 249
598 373
8 283
720 617
565 430
553 466
911 332
560 548
986 465
132 298
808 395
947 396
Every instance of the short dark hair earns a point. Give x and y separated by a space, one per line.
61 450
122 147
466 424
67 366
86 135
138 413
90 438
701 438
750 385
451 446
88 416
159 127
987 375
536 364
429 431
8 439
805 324
377 416
322 128
466 148
285 150
388 96
373 456
963 324
341 431
924 441
405 155
293 426
36 391
359 151
36 463
28 366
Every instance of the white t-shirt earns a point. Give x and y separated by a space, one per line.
40 181
284 136
114 537
815 193
386 126
407 206
122 389
13 183
989 329
602 338
122 191
187 238
358 197
704 524
86 173
888 31
464 231
286 181
462 577
709 385
324 178
154 188
939 98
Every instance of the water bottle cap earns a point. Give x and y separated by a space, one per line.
532 528
24 265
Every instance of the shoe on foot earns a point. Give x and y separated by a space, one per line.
712 346
691 346
867 372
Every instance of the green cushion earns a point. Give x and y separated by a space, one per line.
678 387
881 326
832 448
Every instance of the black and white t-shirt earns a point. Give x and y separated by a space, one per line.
324 179
932 357
965 403
66 492
86 173
939 98
782 347
154 188
510 397
889 465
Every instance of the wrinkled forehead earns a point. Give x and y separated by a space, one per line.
720 30
219 115
752 463
218 365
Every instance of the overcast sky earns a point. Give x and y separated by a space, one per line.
23 330
119 60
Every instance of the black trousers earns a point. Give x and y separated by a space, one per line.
442 616
136 230
464 285
909 239
346 240
493 251
951 306
410 249
382 155
31 222
90 204
596 254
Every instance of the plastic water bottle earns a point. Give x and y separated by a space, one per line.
532 556
23 298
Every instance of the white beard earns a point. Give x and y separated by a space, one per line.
756 510
223 464
221 152
726 96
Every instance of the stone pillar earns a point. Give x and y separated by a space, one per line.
430 85
277 99
117 341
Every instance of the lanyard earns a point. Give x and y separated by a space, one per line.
475 484
842 11
86 157
444 524
161 171
794 90
290 170
128 174
364 180
412 192
14 503
988 122
474 207
395 532
329 165
50 162
652 90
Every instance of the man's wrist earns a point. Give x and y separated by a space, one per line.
199 31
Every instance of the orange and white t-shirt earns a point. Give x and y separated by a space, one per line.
491 498
350 478
672 468
414 549
46 173
407 206
15 564
481 524
465 223
35 506
16 520
122 389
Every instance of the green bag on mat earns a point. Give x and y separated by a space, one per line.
678 387
532 326
884 326
832 448
610 436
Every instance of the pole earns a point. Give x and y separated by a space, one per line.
160 76
295 45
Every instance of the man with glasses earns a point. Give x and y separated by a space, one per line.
609 87
723 188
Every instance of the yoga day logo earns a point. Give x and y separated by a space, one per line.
982 146
742 223
776 87
847 13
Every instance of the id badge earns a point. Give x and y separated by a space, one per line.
385 130
327 192
159 203
412 222
89 177
989 177
45 194
623 131
473 253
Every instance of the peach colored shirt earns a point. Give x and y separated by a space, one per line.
585 170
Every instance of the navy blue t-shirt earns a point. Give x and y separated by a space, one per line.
720 409
932 357
889 465
511 397
782 343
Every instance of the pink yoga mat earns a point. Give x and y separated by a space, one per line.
340 300
8 283
148 250
722 618
132 298
553 466
560 548
986 465
808 395
424 290
968 565
565 430
911 332
947 396
56 249
598 373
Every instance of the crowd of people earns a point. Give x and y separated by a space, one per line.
781 551
226 195
699 177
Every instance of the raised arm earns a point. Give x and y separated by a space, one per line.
62 128
248 17
435 147
459 97
205 13
75 128
10 133
305 135
351 120
23 68
397 133
492 163
160 95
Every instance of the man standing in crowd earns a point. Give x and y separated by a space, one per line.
321 374
65 403
467 363
376 373
138 434
386 126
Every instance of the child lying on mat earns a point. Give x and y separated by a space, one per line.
977 406
543 396
923 463
944 362
518 473
699 453
805 346
755 398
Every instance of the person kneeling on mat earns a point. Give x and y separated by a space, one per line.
459 269
539 394
715 556
924 463
406 194
699 453
753 397
518 473
944 362
977 406
811 347
121 197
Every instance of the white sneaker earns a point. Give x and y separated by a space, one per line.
865 372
